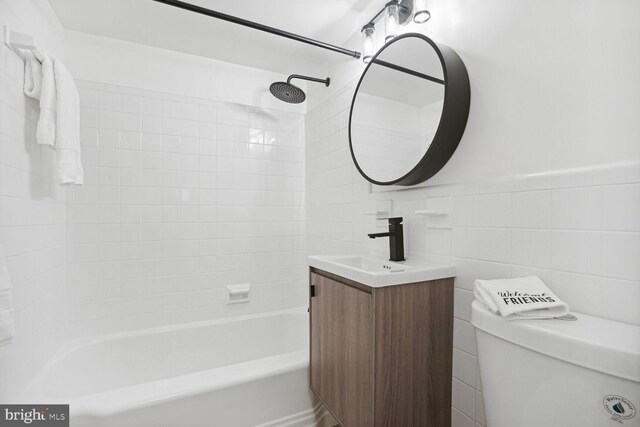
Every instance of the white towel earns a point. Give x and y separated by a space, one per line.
59 122
7 329
519 298
46 132
32 75
67 145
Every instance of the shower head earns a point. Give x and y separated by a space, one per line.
288 92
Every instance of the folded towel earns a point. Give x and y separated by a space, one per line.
46 131
32 75
519 298
7 329
67 146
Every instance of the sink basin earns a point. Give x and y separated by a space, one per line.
379 272
372 265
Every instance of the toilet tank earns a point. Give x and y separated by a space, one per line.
555 373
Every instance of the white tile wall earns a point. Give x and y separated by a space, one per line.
32 210
183 196
579 231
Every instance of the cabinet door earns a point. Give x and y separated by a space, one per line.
342 350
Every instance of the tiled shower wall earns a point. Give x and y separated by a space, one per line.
579 230
183 196
32 210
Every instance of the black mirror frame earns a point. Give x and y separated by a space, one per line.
453 120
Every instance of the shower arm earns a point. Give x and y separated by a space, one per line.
256 26
326 81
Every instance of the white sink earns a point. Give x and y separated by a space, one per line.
379 272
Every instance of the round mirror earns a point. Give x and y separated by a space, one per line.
409 111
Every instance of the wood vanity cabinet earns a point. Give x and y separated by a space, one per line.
381 357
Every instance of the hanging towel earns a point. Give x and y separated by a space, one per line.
67 143
7 329
32 75
46 131
59 122
519 298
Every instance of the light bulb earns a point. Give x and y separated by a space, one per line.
368 44
421 13
391 15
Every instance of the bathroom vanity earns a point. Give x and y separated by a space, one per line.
381 340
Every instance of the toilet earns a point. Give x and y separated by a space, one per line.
558 373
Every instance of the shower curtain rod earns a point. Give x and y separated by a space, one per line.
233 19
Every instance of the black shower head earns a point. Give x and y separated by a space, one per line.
287 92
291 93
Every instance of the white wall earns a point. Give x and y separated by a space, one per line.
121 63
32 210
184 194
546 178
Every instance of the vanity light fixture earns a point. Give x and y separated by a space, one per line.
391 20
396 13
368 43
420 12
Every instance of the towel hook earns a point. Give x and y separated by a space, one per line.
19 41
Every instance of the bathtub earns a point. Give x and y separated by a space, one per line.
240 372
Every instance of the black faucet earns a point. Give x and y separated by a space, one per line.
396 239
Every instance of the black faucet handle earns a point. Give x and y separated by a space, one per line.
395 220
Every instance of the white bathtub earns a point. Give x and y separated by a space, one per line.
248 371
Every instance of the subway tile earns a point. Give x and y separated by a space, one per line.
131 104
531 247
110 119
464 367
577 208
170 126
151 106
464 211
89 117
88 137
458 419
531 209
463 398
620 300
465 243
621 205
151 142
621 255
464 336
493 270
170 108
109 138
110 101
577 251
131 122
462 304
151 124
494 244
494 210
89 98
